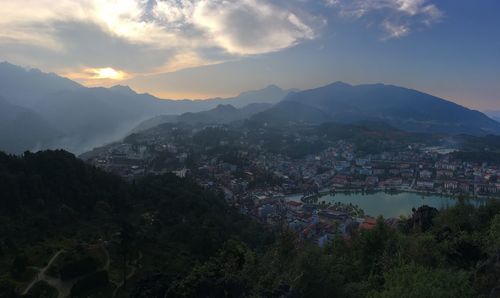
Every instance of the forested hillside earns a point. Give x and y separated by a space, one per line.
90 234
51 201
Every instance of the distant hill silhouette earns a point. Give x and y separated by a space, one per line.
223 113
495 115
89 117
22 129
403 108
271 94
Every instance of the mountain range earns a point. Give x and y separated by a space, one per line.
400 107
22 128
78 118
43 110
222 114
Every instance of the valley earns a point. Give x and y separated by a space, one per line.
249 148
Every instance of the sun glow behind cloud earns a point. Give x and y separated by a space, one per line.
108 73
105 76
82 39
195 28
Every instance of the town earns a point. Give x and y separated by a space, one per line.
262 175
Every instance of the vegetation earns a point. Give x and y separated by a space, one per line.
165 236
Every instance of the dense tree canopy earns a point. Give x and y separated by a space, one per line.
184 241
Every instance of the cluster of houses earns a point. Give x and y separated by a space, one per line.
312 222
260 182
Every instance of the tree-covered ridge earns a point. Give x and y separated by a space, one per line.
52 202
455 256
49 179
162 236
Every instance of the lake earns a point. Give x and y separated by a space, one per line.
391 205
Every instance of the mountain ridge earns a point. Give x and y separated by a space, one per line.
22 129
222 114
88 117
401 107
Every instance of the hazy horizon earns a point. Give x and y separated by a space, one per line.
198 97
205 49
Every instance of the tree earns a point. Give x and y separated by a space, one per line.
127 236
18 267
414 281
494 234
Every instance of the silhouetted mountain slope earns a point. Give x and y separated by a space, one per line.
22 129
87 117
218 115
400 107
495 115
297 112
271 95
26 87
223 114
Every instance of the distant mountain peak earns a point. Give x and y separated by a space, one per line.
339 84
404 108
123 89
267 89
273 87
225 107
5 64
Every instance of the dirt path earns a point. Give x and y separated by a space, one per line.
41 273
64 287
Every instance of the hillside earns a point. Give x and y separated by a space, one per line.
406 109
88 117
493 114
62 204
221 114
27 87
22 129
175 239
271 94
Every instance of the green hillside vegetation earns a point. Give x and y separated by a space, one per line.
163 236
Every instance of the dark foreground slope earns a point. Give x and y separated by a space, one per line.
171 238
52 200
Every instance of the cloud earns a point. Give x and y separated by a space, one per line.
395 17
178 33
250 26
395 30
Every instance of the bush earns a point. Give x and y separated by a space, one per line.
90 283
417 281
78 268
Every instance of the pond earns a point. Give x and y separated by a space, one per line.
392 205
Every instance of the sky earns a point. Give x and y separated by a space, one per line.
208 48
